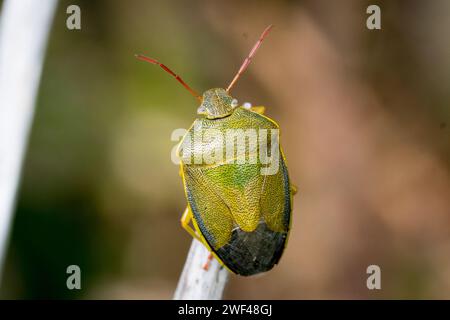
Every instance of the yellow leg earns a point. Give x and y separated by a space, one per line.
185 220
258 109
294 189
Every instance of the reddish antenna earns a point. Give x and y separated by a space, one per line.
153 61
249 58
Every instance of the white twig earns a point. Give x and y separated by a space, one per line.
198 284
24 28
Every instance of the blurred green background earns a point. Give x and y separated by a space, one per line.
365 128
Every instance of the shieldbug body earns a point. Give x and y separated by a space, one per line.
240 205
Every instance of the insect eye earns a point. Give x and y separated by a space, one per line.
201 109
234 103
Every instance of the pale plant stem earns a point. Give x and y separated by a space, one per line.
24 29
195 282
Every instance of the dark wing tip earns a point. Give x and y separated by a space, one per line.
249 253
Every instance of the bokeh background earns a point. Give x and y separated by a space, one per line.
365 129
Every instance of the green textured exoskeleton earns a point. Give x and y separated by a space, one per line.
235 180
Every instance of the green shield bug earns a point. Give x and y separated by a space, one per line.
240 204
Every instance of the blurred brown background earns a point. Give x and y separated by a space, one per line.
365 129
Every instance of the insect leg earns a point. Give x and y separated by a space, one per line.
258 109
185 220
294 189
